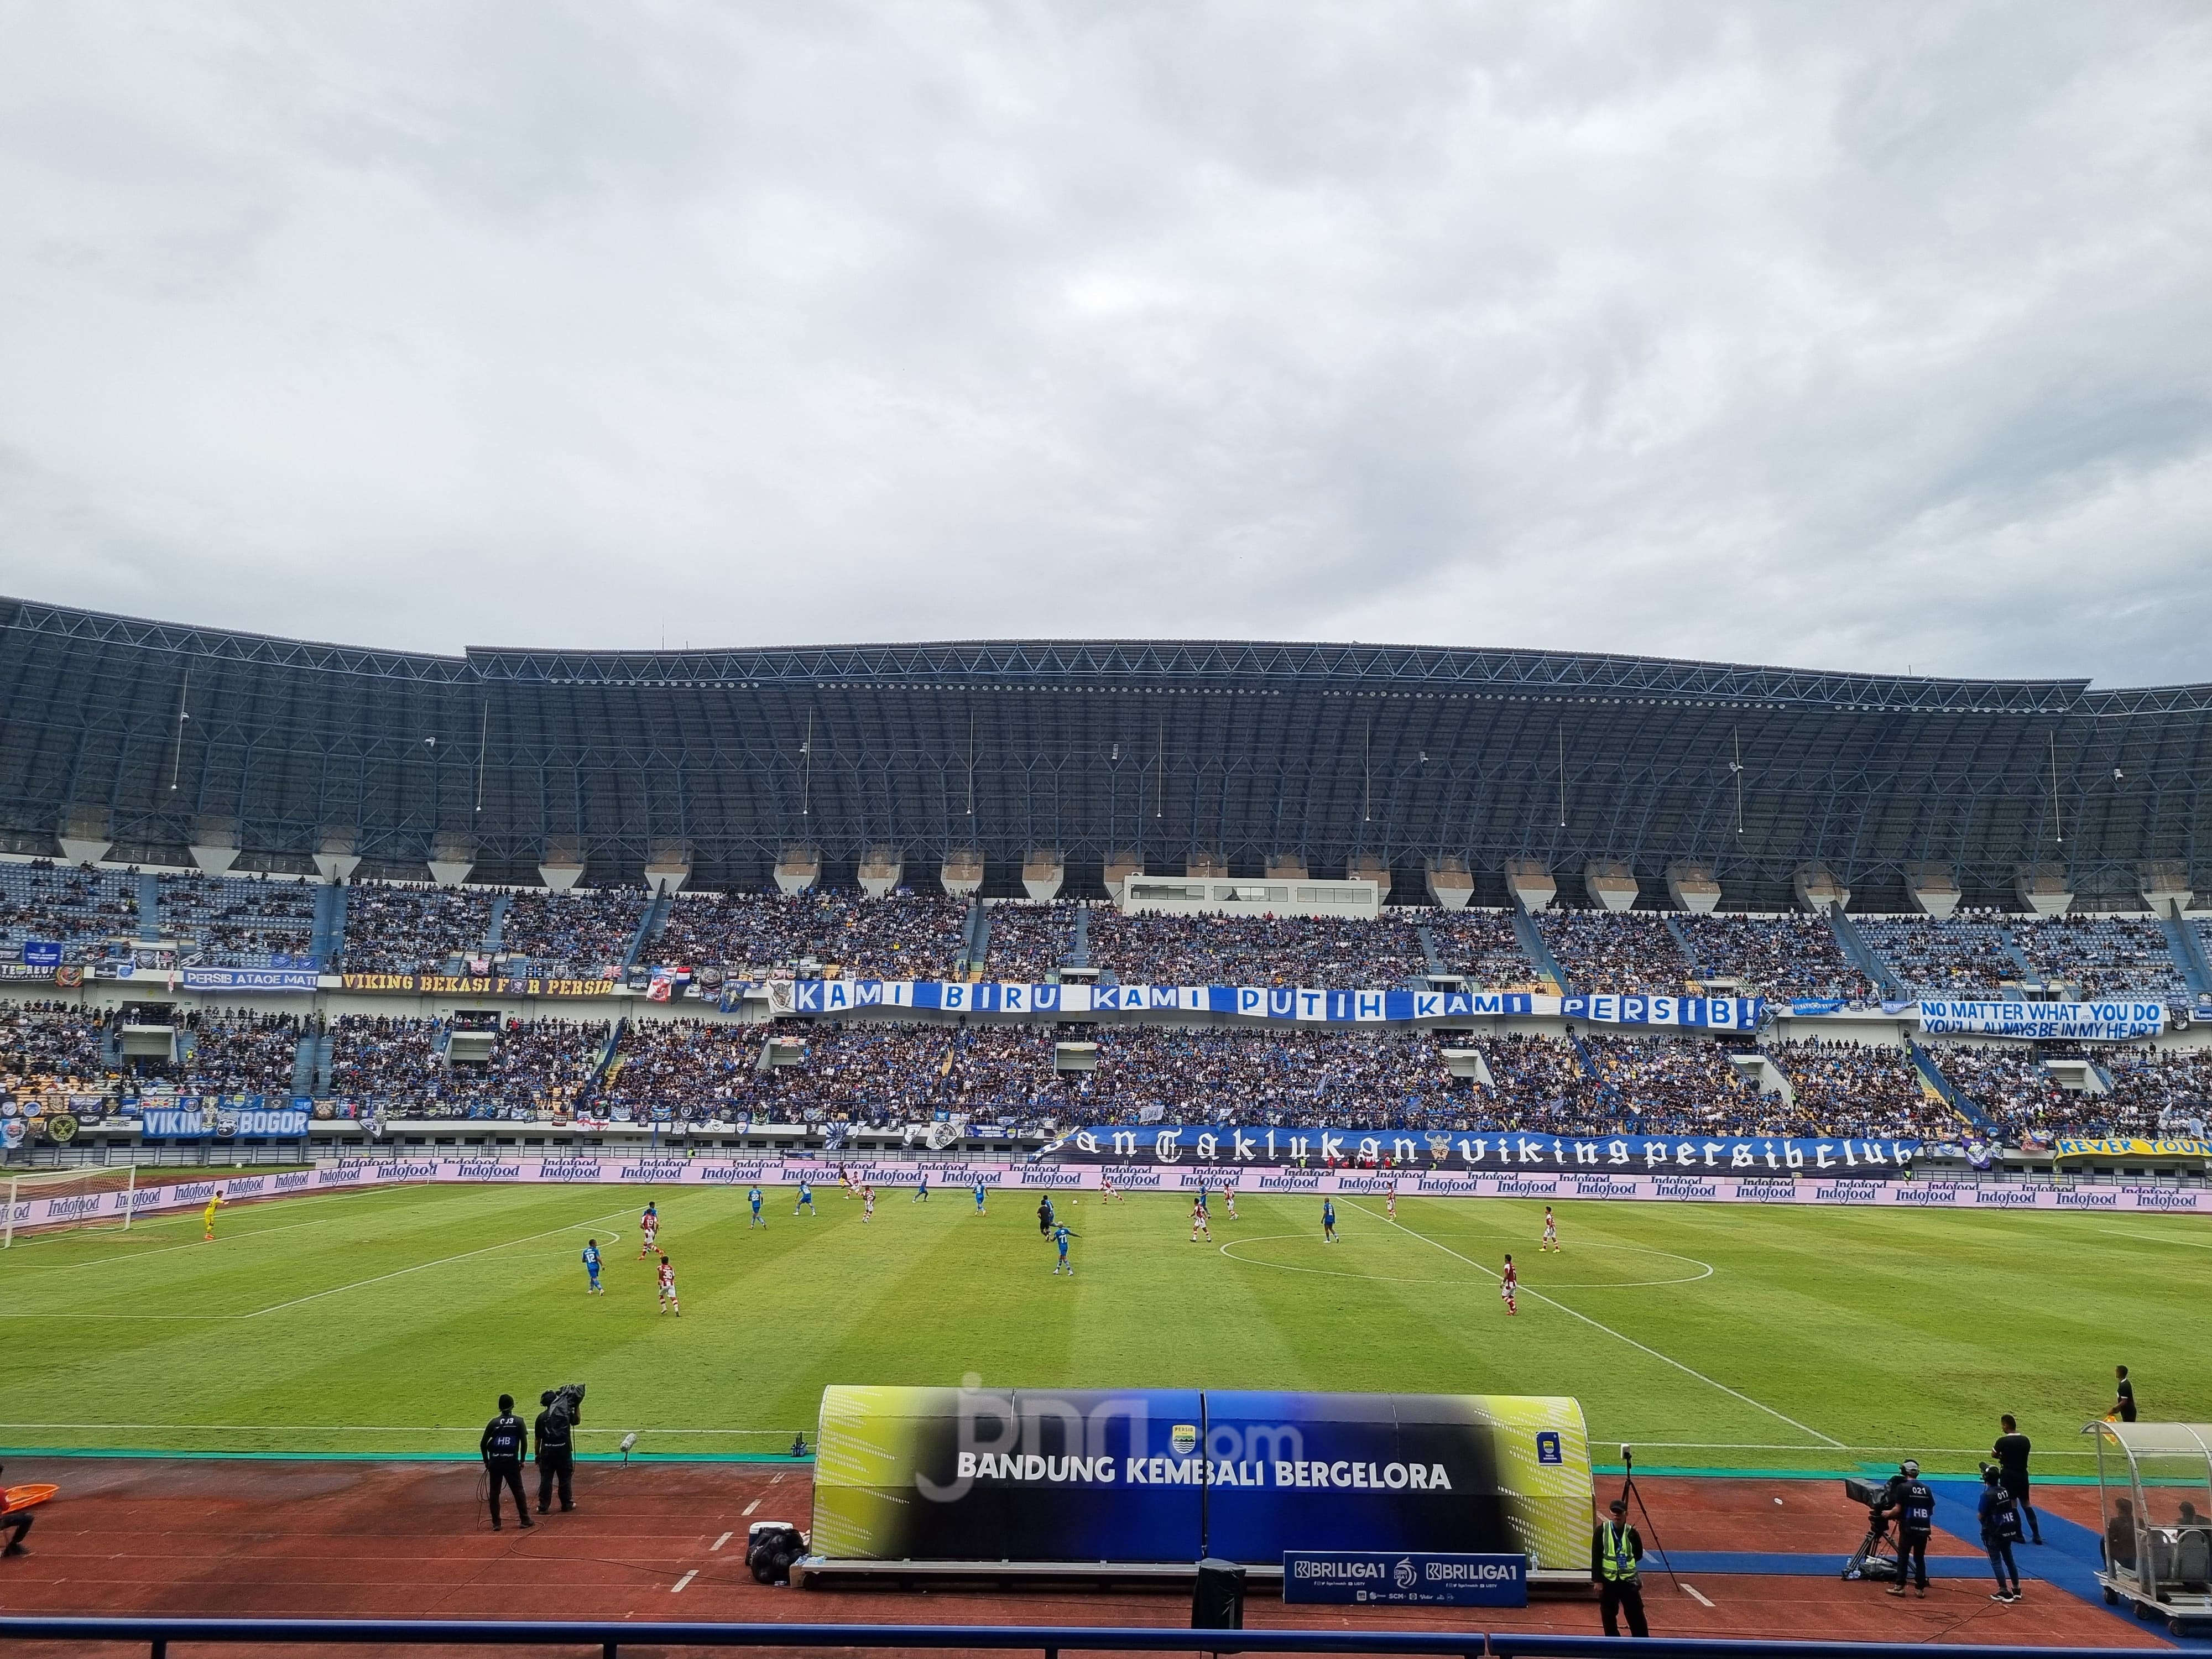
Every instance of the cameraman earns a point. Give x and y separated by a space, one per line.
1616 1554
1912 1500
556 1429
505 1437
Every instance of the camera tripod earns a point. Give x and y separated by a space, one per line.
1630 1493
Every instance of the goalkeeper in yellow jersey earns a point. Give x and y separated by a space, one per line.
207 1217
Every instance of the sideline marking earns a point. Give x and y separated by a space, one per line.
1538 1295
685 1580
1692 1590
1229 1250
723 1540
2153 1238
419 1266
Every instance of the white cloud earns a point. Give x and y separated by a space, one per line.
1860 338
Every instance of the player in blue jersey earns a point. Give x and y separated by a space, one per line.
1059 1237
759 1220
591 1267
805 1197
979 1195
1328 1221
922 1193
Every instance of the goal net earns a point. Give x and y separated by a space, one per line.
54 1200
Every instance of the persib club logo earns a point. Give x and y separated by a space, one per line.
1183 1438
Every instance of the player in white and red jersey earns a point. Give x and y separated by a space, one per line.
1551 1229
1508 1283
1229 1201
668 1303
1107 1193
1198 1221
868 1204
649 1229
1390 1202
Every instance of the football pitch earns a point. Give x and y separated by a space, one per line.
386 1321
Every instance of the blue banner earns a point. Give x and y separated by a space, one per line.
42 953
248 979
242 1118
1291 1004
1207 1144
1342 1578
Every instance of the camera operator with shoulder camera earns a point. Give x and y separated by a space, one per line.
555 1429
1912 1502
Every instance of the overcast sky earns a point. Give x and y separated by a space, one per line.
1856 336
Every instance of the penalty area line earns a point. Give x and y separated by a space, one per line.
1618 1336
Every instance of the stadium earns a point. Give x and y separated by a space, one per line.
350 993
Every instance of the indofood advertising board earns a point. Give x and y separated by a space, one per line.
1160 1476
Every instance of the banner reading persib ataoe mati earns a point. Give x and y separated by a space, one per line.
2089 1022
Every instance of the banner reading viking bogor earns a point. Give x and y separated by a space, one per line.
1170 1475
1208 1143
2088 1022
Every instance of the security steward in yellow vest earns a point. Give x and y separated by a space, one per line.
1614 1552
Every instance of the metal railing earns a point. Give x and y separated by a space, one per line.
1050 1641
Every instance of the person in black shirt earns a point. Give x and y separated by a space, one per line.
2124 1401
1044 1216
1914 1500
505 1437
1616 1555
19 1522
2011 1452
556 1432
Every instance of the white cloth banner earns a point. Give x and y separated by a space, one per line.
2090 1021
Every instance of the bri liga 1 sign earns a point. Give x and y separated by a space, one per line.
1345 1577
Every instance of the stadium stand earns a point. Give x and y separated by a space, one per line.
1030 942
55 1048
239 1052
236 922
1782 956
1258 1078
1953 957
902 935
413 929
84 911
2154 1092
575 935
1483 945
401 1064
1857 1089
1615 950
2106 956
1674 1085
1318 952
1539 1082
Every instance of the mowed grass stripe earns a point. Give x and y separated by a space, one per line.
1877 1327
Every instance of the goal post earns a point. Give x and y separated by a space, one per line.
91 1197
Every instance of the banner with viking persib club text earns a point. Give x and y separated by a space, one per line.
2087 1022
1288 1004
1202 1144
1168 1475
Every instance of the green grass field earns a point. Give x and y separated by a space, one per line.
1714 1336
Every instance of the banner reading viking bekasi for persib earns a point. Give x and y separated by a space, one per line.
1494 1152
1170 1475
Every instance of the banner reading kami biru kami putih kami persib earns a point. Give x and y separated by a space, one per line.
1277 1003
1171 1475
1201 1144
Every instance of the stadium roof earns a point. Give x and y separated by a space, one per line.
1163 748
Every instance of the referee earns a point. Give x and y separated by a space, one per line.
2011 1452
